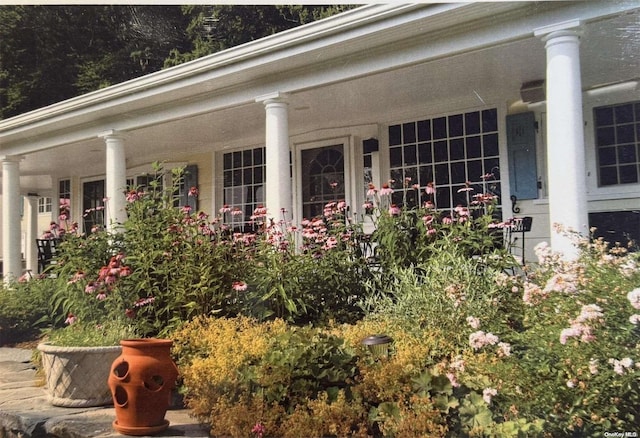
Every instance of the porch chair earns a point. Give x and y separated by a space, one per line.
46 253
516 231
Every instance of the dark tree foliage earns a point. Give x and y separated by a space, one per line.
53 53
215 28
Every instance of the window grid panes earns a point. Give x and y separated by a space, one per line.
617 134
64 193
449 152
244 178
368 148
44 205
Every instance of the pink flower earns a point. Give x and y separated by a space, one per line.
90 288
258 430
394 210
453 380
479 339
372 190
225 209
571 332
260 211
77 277
386 190
71 319
430 189
133 196
330 243
239 286
193 191
144 301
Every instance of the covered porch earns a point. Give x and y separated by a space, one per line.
346 100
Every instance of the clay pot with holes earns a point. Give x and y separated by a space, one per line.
141 381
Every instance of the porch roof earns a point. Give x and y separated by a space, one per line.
360 66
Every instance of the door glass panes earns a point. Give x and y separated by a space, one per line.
322 178
448 151
93 195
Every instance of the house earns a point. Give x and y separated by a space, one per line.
541 97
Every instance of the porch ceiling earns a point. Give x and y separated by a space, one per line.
493 75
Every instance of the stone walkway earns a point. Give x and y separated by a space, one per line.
26 413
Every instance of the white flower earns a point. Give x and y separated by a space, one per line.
571 383
634 298
627 362
589 312
634 319
487 394
593 366
473 322
504 349
619 366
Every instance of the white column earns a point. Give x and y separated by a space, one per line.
31 215
11 227
278 179
116 180
565 135
55 200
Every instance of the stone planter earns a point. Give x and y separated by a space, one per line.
77 376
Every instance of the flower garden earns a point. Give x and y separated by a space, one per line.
268 323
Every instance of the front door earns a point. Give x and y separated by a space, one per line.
322 171
93 194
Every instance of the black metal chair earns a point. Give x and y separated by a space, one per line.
516 231
46 253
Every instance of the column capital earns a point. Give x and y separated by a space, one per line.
113 133
276 97
565 28
11 158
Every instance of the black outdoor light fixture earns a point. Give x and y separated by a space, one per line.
378 345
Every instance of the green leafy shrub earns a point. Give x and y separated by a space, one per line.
24 309
243 362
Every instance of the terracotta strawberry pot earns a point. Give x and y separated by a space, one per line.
141 381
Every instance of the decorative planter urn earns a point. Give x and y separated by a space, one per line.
76 377
141 381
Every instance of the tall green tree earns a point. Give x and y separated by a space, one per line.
215 28
53 53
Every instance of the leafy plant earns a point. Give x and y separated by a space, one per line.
88 335
24 309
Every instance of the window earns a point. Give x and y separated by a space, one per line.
369 146
64 192
93 195
449 152
244 178
322 178
617 139
44 205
